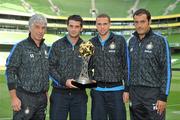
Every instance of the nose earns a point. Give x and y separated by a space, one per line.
138 25
41 30
102 26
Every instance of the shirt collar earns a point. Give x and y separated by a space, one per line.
32 41
146 35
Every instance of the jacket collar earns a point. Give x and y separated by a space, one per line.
32 41
146 35
77 43
109 39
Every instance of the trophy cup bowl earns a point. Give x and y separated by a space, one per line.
86 49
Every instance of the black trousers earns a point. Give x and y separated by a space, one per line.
33 106
107 105
142 103
64 102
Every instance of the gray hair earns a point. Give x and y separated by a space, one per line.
37 18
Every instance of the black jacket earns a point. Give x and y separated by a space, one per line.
28 67
65 61
109 61
150 62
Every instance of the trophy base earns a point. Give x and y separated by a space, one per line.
84 84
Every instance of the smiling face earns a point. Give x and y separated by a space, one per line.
74 28
37 31
103 26
142 24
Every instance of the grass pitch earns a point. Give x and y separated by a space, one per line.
173 106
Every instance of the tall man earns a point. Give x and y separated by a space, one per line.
109 64
150 72
65 66
27 73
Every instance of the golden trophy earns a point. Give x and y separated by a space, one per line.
86 49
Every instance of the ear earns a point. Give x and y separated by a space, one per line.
29 30
149 22
81 29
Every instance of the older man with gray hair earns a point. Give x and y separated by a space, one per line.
27 73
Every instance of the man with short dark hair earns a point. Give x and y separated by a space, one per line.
65 67
27 73
108 67
150 70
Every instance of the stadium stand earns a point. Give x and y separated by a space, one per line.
27 6
168 25
14 16
121 8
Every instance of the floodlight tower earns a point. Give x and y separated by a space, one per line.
93 10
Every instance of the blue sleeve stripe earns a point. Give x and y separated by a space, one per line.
168 67
128 62
10 55
55 81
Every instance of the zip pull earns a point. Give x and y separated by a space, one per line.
102 48
73 47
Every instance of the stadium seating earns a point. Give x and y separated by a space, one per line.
121 8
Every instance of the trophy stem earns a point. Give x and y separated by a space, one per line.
83 77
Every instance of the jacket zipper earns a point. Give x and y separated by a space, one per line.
139 58
104 62
73 47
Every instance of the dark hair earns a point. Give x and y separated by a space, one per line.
75 18
143 11
103 15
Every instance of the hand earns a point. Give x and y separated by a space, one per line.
69 84
16 103
160 105
93 81
125 97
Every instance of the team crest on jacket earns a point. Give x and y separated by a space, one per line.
149 46
27 111
112 46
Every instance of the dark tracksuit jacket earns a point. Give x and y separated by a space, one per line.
65 62
27 67
150 63
109 61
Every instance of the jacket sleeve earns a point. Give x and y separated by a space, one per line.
91 68
91 65
53 66
12 65
165 67
125 64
